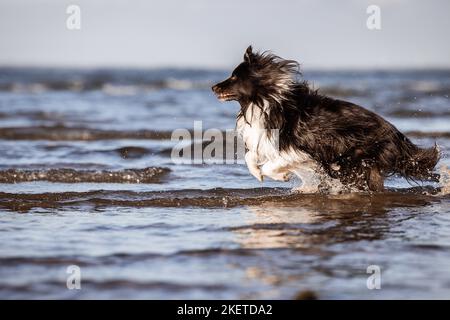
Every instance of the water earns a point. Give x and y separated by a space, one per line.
86 179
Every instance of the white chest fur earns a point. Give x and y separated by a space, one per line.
264 157
256 136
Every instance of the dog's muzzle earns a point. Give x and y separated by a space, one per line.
222 96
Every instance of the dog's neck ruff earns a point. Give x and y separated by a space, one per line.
252 127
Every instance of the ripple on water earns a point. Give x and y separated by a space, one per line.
146 175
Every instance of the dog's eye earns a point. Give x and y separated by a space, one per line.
233 78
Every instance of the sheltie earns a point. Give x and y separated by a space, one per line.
288 128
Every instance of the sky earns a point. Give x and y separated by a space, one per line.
320 34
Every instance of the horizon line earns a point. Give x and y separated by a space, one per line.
218 68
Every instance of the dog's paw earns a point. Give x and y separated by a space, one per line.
256 172
258 176
284 176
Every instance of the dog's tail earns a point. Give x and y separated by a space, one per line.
417 163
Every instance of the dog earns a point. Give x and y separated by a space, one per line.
289 128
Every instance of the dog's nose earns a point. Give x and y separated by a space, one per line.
214 88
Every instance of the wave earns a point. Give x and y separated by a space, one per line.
215 198
428 134
126 152
118 284
147 175
57 165
344 92
112 259
111 81
132 152
115 89
63 133
405 113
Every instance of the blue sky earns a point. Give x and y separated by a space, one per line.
213 34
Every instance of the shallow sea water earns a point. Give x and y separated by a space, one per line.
87 179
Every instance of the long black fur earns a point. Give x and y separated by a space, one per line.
350 142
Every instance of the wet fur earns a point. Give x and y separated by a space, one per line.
346 141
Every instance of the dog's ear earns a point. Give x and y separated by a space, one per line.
248 56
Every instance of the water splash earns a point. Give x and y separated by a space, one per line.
444 180
321 183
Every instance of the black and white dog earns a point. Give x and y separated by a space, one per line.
315 133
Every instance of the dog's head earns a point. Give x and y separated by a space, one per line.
259 76
240 85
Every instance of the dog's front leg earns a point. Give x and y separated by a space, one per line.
251 159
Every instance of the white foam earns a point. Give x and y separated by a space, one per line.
323 183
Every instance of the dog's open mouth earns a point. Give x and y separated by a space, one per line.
225 96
